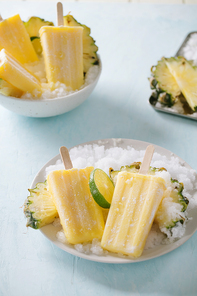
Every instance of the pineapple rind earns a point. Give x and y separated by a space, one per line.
39 207
175 195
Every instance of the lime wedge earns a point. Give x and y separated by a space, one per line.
101 188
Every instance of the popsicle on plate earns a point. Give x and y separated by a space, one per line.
14 73
63 55
15 39
80 216
135 202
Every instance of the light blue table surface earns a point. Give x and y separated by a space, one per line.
131 38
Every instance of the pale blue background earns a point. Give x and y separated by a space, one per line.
131 38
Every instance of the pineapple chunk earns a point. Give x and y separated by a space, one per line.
186 77
8 89
164 83
39 207
90 49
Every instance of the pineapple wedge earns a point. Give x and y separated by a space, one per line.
165 80
166 89
34 24
90 49
186 77
172 204
39 207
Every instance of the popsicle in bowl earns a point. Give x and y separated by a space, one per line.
63 53
80 216
15 39
13 72
135 202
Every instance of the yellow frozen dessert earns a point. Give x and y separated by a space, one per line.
80 216
134 205
63 55
14 73
15 39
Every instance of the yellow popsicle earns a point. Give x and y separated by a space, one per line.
14 73
80 216
63 55
8 89
15 39
135 202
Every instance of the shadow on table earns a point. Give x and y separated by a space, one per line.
99 117
167 275
158 276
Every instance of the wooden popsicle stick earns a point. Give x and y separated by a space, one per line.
66 158
60 18
147 160
1 19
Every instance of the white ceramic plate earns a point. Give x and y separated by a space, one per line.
50 231
50 107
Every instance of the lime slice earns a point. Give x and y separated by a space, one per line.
101 188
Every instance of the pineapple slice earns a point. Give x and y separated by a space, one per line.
90 49
33 26
168 214
164 83
173 203
186 77
8 89
36 44
39 207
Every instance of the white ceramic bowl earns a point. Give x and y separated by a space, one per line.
50 107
